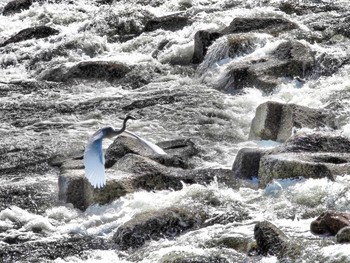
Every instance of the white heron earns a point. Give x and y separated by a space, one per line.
94 160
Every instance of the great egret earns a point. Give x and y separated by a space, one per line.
93 156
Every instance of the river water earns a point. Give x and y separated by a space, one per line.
42 121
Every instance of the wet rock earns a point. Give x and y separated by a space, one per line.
295 165
271 240
171 22
275 121
330 222
289 60
317 142
30 33
238 243
108 70
165 223
343 235
269 25
306 8
16 6
246 164
129 174
202 40
74 188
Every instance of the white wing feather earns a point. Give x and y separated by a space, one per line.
94 162
156 149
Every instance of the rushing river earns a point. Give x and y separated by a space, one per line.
41 121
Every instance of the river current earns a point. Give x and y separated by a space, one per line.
218 122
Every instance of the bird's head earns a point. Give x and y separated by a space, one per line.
129 117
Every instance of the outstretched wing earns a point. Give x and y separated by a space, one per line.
94 161
156 149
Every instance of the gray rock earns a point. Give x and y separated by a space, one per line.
270 239
295 165
343 235
275 121
290 59
171 22
165 223
108 70
264 24
186 257
246 164
178 151
202 40
129 174
16 6
330 222
30 33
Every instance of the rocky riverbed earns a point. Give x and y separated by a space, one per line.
250 100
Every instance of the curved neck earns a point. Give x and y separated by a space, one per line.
123 128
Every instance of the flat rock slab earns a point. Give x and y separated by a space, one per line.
307 165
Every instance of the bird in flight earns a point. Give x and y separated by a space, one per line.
94 160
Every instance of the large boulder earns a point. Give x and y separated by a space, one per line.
154 225
330 222
275 121
289 60
129 174
317 155
203 39
16 6
30 33
108 70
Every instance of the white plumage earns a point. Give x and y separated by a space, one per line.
94 160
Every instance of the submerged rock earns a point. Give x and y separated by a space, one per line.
275 121
16 6
164 223
330 222
30 33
